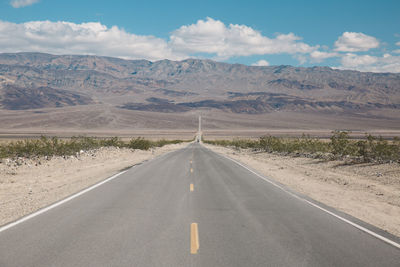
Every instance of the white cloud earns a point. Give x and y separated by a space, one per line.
214 37
86 38
319 56
352 60
260 63
385 63
397 51
398 43
210 37
355 42
22 3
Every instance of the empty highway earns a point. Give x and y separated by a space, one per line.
191 207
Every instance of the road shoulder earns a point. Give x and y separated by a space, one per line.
367 192
29 185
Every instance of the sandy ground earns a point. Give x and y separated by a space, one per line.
27 185
368 192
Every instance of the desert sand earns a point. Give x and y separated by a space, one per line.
369 192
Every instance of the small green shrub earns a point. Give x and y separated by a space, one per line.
112 142
341 145
140 143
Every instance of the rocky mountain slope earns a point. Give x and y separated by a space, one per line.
235 87
17 98
36 80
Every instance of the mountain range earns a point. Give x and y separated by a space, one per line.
34 81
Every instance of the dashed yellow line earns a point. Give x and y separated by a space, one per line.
191 170
194 238
191 187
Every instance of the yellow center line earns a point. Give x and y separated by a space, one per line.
194 238
191 170
191 162
191 187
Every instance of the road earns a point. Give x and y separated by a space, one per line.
191 207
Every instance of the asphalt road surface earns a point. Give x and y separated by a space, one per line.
191 207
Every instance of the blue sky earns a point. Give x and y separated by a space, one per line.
361 35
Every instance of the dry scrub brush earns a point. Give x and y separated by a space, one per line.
340 145
53 146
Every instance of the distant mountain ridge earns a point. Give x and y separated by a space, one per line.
58 81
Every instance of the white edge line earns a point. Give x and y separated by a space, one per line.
52 206
58 203
384 239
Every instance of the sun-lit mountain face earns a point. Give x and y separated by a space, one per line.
180 86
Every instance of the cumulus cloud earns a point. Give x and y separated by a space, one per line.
260 63
205 37
385 63
214 37
85 38
355 42
319 56
22 3
352 60
211 37
397 51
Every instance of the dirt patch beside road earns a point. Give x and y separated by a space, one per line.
369 192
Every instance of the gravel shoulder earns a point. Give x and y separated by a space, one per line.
27 185
369 192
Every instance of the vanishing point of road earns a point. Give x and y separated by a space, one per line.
190 207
